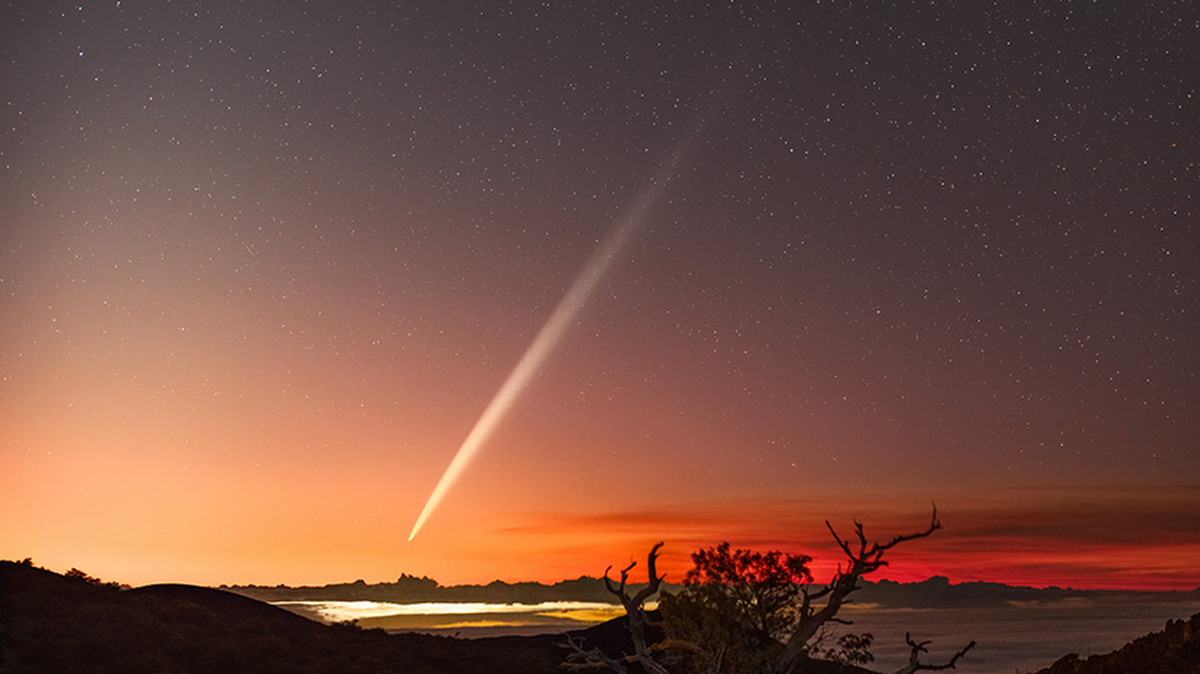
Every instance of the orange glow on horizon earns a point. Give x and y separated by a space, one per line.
317 545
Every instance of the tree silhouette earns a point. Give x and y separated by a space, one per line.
735 609
747 611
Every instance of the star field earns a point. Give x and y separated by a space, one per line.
262 266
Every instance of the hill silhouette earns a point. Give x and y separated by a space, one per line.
934 592
232 606
54 623
411 589
1176 649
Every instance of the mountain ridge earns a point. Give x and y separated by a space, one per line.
934 592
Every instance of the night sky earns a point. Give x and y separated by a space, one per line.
263 265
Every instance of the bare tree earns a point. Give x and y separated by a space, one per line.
636 622
861 559
914 657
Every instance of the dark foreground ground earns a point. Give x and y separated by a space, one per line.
1175 650
54 623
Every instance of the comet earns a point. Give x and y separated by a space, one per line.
572 302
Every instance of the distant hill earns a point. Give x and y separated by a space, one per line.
1176 650
939 592
411 590
53 623
936 592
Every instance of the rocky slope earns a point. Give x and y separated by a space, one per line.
1175 650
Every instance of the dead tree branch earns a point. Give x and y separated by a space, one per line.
581 659
914 657
636 622
863 558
